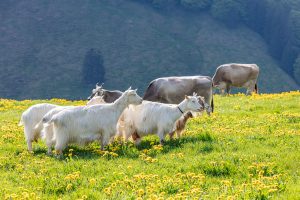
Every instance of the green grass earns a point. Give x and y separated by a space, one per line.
248 149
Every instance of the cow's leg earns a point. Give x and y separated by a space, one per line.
222 91
250 88
228 89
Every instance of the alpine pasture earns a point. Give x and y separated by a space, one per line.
249 148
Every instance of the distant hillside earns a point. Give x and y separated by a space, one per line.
43 44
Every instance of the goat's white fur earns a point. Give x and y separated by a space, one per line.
89 123
47 131
154 117
30 118
96 100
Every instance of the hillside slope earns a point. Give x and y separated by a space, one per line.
43 44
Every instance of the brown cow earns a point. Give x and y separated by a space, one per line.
237 75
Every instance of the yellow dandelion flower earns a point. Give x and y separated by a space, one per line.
92 181
69 186
84 197
141 192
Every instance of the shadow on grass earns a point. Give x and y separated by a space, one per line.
126 150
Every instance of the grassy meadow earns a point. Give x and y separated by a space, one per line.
248 149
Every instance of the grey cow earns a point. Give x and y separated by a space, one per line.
173 89
109 96
237 75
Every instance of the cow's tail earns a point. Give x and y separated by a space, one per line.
148 92
256 88
212 98
212 103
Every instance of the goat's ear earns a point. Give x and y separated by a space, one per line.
135 90
200 98
186 97
129 88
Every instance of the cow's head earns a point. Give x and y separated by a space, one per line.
98 91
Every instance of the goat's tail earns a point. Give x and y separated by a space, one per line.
21 123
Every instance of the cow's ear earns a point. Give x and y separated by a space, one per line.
186 97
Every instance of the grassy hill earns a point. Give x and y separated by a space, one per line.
248 149
43 44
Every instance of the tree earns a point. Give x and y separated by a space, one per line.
93 70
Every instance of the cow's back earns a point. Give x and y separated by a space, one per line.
173 89
236 74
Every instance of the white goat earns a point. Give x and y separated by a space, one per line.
154 117
85 124
46 132
30 118
96 100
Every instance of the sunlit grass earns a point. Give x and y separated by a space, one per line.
248 149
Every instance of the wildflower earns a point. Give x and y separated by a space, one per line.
141 192
69 186
92 181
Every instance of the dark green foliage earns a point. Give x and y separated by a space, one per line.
196 4
255 17
231 12
296 69
162 4
93 70
292 44
276 28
